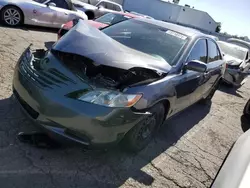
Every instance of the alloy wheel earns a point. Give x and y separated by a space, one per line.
12 16
147 129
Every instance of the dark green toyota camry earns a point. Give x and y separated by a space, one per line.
118 84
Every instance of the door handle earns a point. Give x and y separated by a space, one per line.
34 11
65 13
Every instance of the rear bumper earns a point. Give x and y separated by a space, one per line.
85 123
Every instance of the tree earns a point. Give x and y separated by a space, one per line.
218 28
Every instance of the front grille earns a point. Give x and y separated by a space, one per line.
34 114
42 78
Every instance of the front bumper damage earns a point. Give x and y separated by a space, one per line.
236 76
89 124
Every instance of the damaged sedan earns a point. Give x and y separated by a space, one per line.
117 85
238 63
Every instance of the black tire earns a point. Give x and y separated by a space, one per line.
90 14
142 133
227 84
208 99
247 108
17 18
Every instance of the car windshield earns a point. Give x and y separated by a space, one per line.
148 38
232 50
112 18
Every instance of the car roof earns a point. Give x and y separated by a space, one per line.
233 45
180 29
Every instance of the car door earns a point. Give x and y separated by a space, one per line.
215 65
190 84
63 12
40 14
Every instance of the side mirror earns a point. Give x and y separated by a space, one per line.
51 4
196 65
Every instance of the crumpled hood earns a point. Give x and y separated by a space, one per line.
232 60
87 41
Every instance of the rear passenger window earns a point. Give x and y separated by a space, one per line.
102 4
112 6
213 52
199 51
117 8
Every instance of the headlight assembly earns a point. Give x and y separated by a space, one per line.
108 98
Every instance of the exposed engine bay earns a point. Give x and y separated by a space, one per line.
106 76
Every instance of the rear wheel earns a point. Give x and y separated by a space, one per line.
245 118
141 134
12 16
247 108
90 15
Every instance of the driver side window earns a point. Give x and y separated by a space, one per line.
199 51
60 3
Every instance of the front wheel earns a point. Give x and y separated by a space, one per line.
142 133
11 16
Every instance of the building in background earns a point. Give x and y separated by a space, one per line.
172 12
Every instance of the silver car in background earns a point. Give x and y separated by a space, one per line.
238 63
99 9
235 170
48 13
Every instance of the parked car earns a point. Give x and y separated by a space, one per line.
101 8
234 172
119 84
238 63
239 42
101 22
48 13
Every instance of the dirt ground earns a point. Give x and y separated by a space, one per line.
187 152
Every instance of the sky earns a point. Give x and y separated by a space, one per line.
234 15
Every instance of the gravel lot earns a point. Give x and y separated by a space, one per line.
187 152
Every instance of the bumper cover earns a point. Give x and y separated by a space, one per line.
236 77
